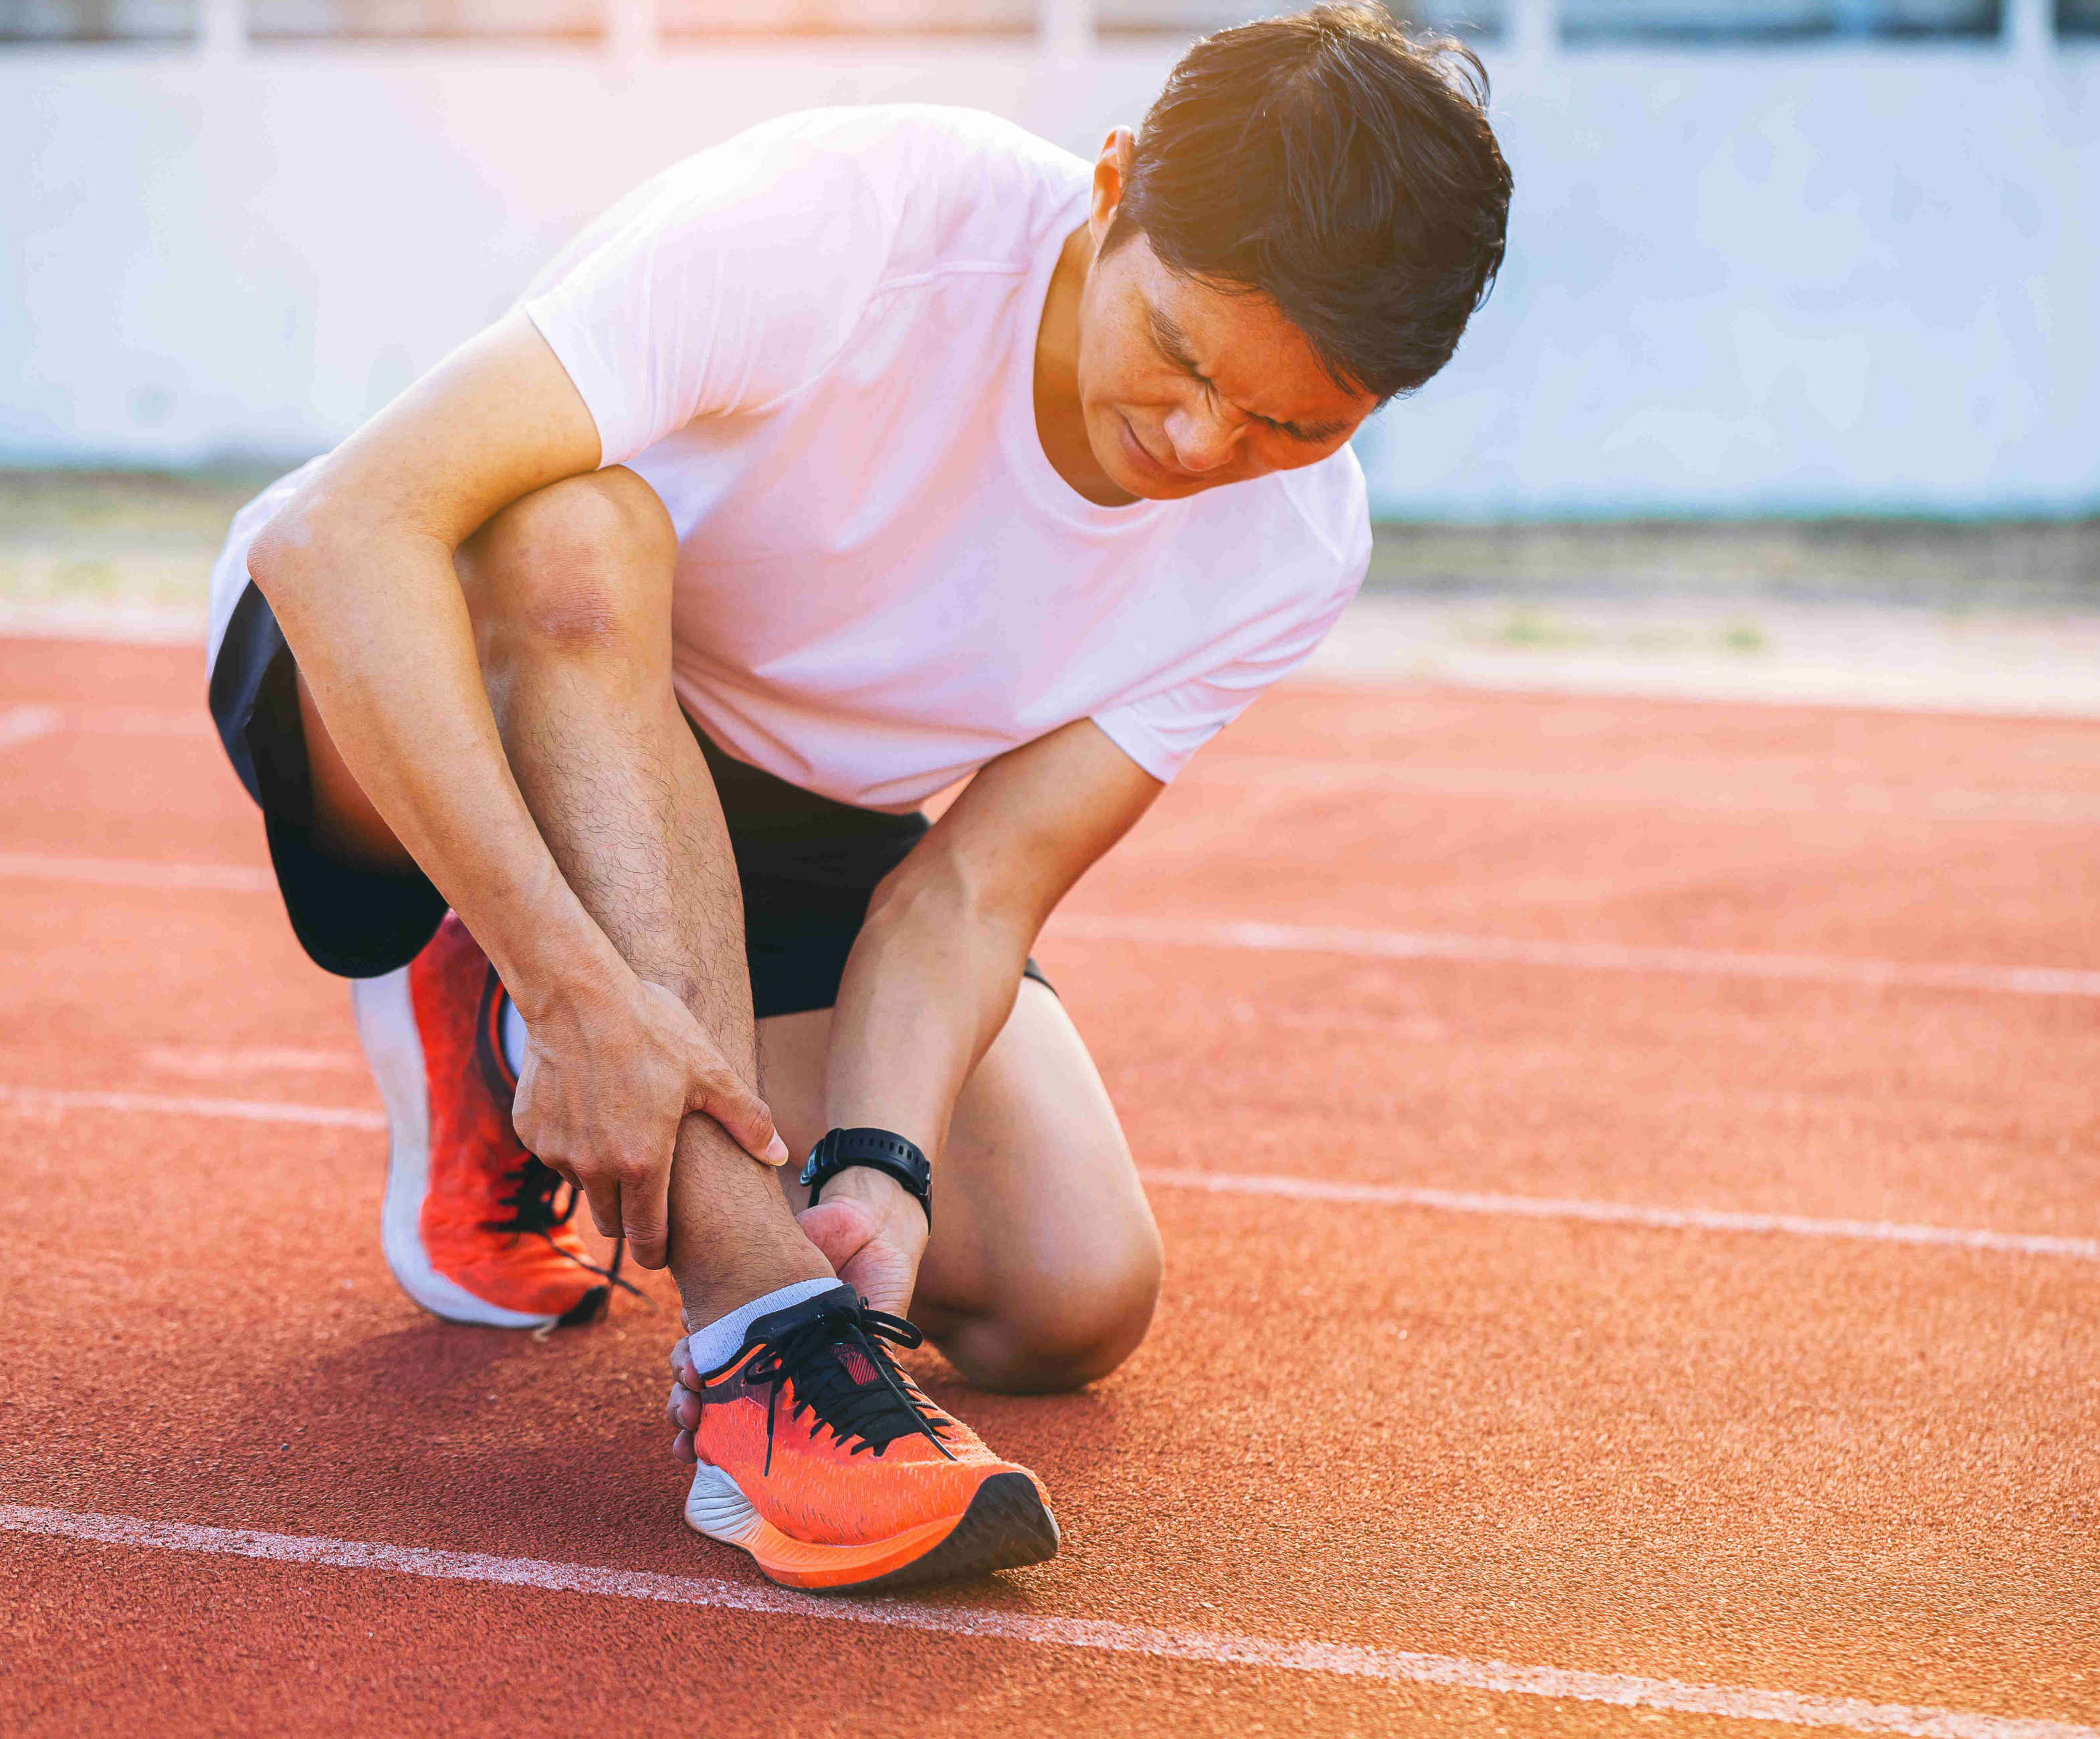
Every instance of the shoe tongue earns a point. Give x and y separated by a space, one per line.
856 1363
783 1321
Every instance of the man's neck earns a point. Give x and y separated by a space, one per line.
1060 420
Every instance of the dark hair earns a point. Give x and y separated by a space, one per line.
1345 170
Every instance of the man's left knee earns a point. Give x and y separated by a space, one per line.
1063 1329
580 569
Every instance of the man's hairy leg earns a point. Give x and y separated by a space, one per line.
570 594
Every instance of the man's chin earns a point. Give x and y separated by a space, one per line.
1175 488
1155 486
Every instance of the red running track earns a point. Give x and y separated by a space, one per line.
1421 1442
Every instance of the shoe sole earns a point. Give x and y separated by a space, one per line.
1006 1526
393 1047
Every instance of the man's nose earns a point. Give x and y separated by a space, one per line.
1202 438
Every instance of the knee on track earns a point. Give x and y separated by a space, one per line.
1060 1331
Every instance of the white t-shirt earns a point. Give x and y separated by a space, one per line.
817 341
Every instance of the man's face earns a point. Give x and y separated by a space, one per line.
1185 387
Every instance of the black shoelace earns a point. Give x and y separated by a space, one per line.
540 1200
868 1416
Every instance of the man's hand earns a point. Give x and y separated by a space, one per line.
606 1081
872 1230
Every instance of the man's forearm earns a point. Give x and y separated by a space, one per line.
933 975
929 983
358 569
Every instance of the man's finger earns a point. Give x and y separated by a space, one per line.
747 1117
645 1208
682 1446
603 1194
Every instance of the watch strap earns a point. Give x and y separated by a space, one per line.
879 1149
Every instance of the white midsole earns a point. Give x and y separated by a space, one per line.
385 1014
716 1507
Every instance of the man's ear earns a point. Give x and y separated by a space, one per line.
1111 175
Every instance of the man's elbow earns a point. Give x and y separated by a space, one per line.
283 552
919 891
317 531
942 895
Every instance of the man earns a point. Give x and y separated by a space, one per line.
590 692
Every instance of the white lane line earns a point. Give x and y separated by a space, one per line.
1339 1660
1749 789
43 720
1624 1213
119 624
121 872
52 1102
1592 956
26 724
1279 938
139 721
206 1063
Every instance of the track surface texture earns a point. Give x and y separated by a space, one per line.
1424 1439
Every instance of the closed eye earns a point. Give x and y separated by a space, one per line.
1166 338
1318 435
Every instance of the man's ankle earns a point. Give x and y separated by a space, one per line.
710 1346
710 1290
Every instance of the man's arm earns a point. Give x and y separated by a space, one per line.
358 569
934 973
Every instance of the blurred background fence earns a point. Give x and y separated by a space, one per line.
1800 257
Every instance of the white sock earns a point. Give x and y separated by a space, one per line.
513 1031
714 1346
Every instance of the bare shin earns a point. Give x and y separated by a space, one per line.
570 594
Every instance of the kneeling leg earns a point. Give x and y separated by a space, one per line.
1044 1263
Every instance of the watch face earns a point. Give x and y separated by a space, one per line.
809 1171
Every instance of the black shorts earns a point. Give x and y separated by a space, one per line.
808 864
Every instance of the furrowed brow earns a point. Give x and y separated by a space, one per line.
1173 342
1174 346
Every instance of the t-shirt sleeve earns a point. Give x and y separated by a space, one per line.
1161 732
719 287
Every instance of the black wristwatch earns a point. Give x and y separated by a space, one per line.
877 1148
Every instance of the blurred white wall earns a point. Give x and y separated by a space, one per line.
1832 276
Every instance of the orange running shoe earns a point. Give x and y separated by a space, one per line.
474 1228
828 1464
